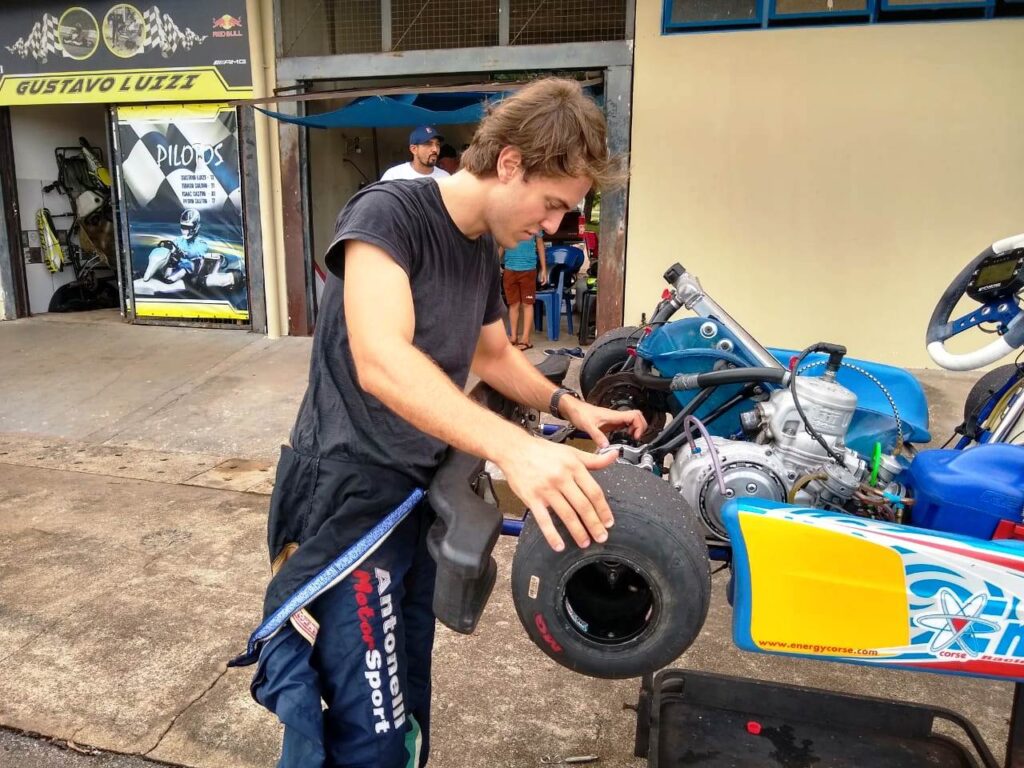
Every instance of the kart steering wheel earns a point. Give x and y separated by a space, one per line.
1002 310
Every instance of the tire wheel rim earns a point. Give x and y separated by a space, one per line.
609 601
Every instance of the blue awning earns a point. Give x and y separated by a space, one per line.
400 111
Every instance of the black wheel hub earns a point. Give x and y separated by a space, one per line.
622 392
609 601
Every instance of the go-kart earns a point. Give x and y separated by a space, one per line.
89 245
908 562
635 603
169 271
770 430
833 587
919 564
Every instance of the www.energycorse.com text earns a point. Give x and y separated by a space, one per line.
814 648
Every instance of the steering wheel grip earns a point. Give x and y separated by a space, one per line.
940 329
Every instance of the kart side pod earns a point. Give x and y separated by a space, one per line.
840 588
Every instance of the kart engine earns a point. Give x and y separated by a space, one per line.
783 461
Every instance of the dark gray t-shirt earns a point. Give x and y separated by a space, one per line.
455 289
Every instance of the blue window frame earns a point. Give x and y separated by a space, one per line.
695 14
720 15
820 9
890 6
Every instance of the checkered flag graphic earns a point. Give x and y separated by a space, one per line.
41 43
163 34
158 175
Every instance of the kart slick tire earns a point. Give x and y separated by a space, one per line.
629 606
985 387
606 355
77 297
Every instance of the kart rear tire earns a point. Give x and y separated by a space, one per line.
606 355
631 625
985 387
78 297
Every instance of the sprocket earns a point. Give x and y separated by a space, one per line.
622 392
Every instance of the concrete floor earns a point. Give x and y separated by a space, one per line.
135 464
93 378
34 752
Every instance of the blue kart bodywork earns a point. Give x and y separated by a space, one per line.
686 346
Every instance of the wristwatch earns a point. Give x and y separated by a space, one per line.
556 396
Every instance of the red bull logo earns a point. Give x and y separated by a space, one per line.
227 26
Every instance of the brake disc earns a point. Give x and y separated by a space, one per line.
622 392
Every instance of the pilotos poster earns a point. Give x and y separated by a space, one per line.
183 198
110 52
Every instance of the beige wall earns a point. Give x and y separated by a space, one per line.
824 183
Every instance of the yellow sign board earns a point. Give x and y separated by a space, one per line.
104 51
201 84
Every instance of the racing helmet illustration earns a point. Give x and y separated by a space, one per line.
190 222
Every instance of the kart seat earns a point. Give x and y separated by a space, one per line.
554 368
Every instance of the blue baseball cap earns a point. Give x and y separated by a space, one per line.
423 134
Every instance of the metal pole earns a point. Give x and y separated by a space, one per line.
376 155
293 225
618 97
252 218
1015 741
503 21
121 239
385 25
7 254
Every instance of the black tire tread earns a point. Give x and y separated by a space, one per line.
985 386
597 360
647 503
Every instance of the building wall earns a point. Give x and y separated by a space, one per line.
824 183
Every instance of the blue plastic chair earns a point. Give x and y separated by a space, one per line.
564 263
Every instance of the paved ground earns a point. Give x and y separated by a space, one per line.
22 751
135 464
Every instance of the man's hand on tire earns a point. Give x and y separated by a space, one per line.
549 477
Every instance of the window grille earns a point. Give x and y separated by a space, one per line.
535 22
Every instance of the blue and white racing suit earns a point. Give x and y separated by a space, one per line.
191 253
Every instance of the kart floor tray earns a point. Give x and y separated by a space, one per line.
699 719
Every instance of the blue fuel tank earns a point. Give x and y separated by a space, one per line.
967 492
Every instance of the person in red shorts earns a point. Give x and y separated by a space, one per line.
520 283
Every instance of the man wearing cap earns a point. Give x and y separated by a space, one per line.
425 148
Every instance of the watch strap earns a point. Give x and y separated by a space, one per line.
556 396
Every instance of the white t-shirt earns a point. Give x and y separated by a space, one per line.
406 171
